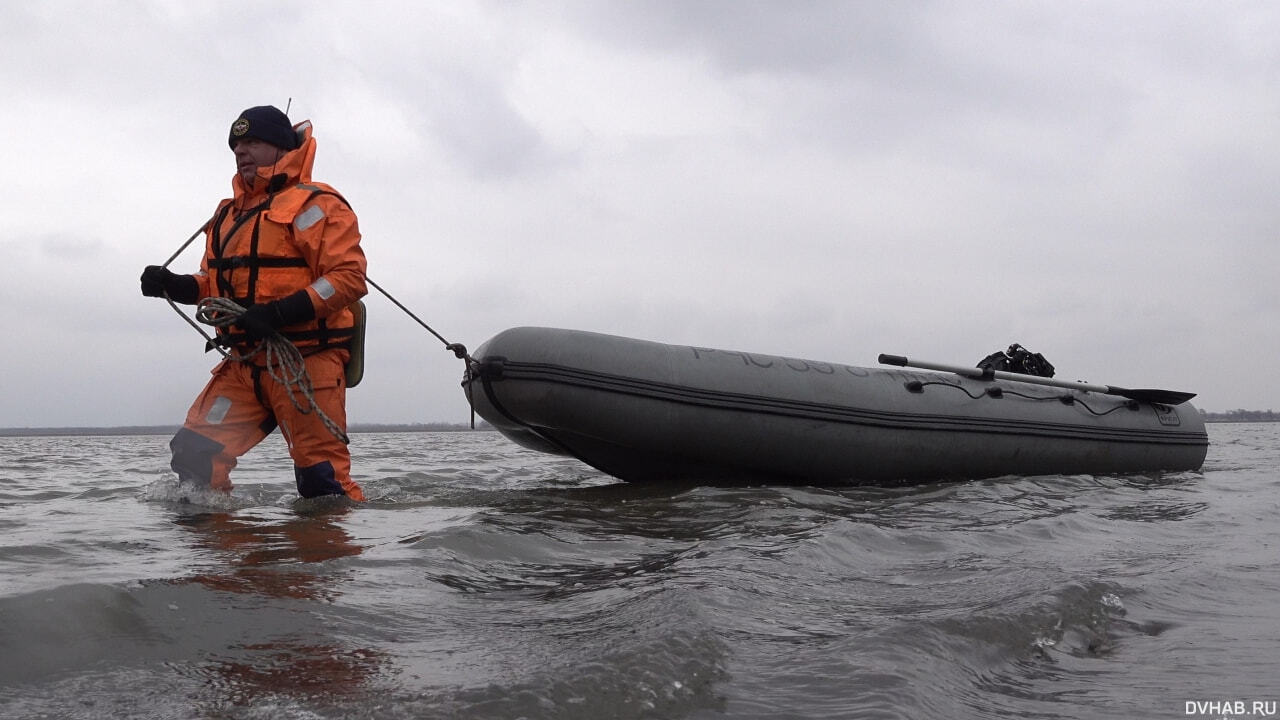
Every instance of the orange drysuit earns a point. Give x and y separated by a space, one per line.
267 242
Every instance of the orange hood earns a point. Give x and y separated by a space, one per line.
295 165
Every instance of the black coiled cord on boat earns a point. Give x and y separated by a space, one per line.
918 386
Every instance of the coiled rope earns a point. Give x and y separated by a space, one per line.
283 361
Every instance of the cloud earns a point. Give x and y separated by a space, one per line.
818 179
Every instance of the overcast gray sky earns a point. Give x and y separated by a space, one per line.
828 180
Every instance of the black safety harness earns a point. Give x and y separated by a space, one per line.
222 266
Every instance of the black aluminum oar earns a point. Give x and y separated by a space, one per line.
1164 397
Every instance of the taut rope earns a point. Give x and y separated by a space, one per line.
458 349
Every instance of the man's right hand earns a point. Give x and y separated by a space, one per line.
158 281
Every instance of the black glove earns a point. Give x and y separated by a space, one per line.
260 321
158 281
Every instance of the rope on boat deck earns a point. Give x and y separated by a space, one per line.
917 386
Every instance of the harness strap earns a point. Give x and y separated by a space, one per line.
321 191
269 423
327 338
324 336
219 243
243 261
253 253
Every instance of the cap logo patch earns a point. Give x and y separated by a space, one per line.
240 127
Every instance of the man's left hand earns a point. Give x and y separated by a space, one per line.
261 321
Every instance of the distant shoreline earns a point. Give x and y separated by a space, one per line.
1237 416
1241 416
171 429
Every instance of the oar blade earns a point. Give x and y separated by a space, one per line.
1163 397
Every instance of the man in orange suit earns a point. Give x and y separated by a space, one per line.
288 250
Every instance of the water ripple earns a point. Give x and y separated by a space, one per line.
482 580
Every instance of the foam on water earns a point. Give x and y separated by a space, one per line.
194 497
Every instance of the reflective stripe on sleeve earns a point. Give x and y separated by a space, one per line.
323 288
308 217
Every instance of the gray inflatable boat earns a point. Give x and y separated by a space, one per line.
645 411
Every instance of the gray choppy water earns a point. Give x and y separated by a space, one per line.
485 581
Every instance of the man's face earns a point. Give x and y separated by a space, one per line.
251 154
